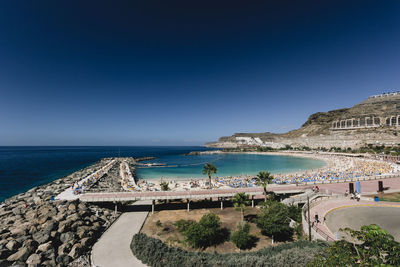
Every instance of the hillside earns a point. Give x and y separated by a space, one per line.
376 120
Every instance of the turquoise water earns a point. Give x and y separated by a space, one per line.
22 168
180 166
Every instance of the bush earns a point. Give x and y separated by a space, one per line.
295 213
370 246
274 221
155 253
164 186
207 232
242 238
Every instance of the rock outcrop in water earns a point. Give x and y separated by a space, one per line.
373 121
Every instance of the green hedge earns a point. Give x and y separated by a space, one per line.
155 253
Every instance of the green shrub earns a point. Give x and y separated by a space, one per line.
242 238
274 221
207 232
371 246
153 252
294 213
164 186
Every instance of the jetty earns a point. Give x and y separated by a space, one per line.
71 193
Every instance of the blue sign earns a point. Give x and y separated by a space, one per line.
358 187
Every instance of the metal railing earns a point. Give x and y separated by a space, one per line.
314 202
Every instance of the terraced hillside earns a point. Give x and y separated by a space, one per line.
373 121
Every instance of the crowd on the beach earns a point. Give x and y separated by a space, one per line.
338 168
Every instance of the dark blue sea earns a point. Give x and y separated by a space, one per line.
22 168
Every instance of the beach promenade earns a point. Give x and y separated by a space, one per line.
113 248
367 187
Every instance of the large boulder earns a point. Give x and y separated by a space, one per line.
41 237
49 254
32 230
87 241
42 219
44 247
23 238
64 226
30 244
82 207
17 211
75 251
82 231
37 200
30 215
66 237
59 217
49 263
21 255
47 210
74 217
49 226
20 229
12 245
34 259
72 207
64 248
63 259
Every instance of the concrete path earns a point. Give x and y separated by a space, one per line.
327 206
387 217
113 247
68 194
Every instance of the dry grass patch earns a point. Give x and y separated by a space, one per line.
161 225
390 197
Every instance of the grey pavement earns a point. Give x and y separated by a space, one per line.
355 217
113 247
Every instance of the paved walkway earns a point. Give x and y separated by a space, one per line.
326 206
113 247
68 194
392 184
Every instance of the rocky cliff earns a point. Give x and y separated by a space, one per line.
373 121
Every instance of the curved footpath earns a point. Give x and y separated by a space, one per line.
113 248
326 206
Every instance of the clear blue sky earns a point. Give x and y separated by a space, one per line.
186 72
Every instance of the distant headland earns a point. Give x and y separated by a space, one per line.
375 121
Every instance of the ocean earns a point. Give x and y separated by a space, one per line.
22 168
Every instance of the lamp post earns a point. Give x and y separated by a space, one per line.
309 223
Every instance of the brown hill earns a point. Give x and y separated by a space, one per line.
375 120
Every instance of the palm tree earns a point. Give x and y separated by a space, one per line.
240 201
263 179
209 169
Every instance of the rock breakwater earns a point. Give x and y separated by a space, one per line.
36 230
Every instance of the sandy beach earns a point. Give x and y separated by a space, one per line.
337 167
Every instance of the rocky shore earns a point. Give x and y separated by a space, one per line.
36 230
